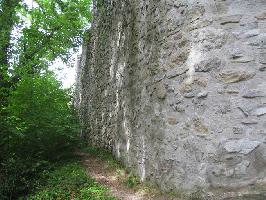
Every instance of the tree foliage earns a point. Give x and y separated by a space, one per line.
41 126
37 121
8 19
54 27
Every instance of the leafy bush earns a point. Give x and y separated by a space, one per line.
41 129
37 123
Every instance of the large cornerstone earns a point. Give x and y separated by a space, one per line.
176 89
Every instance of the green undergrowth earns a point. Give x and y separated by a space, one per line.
131 180
125 174
69 182
105 155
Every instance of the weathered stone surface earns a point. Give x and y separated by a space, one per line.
203 94
208 65
199 126
241 168
161 91
244 146
229 19
249 120
261 16
229 91
262 59
176 72
236 53
243 60
258 111
259 41
233 76
210 38
172 120
262 69
244 110
251 33
237 130
169 87
253 94
179 108
190 94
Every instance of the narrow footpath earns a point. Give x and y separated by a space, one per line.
100 170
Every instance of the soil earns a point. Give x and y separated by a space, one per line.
98 169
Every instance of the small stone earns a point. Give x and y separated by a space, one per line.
161 91
231 76
182 43
175 72
262 58
262 69
197 24
253 94
199 126
237 130
243 60
179 108
190 94
178 36
259 41
208 65
223 109
201 81
158 77
241 168
235 53
172 120
170 90
249 121
244 110
243 146
245 163
185 87
203 94
180 57
232 91
229 172
258 111
261 16
230 19
228 91
251 33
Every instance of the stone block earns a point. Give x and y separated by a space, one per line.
243 146
233 76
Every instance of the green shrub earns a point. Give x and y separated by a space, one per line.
40 130
70 181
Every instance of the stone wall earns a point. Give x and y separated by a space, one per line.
177 89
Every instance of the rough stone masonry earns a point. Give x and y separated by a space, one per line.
177 89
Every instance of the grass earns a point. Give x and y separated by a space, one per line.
69 182
108 157
123 173
132 181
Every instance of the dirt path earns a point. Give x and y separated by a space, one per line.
108 176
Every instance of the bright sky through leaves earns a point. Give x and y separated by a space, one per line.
64 73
